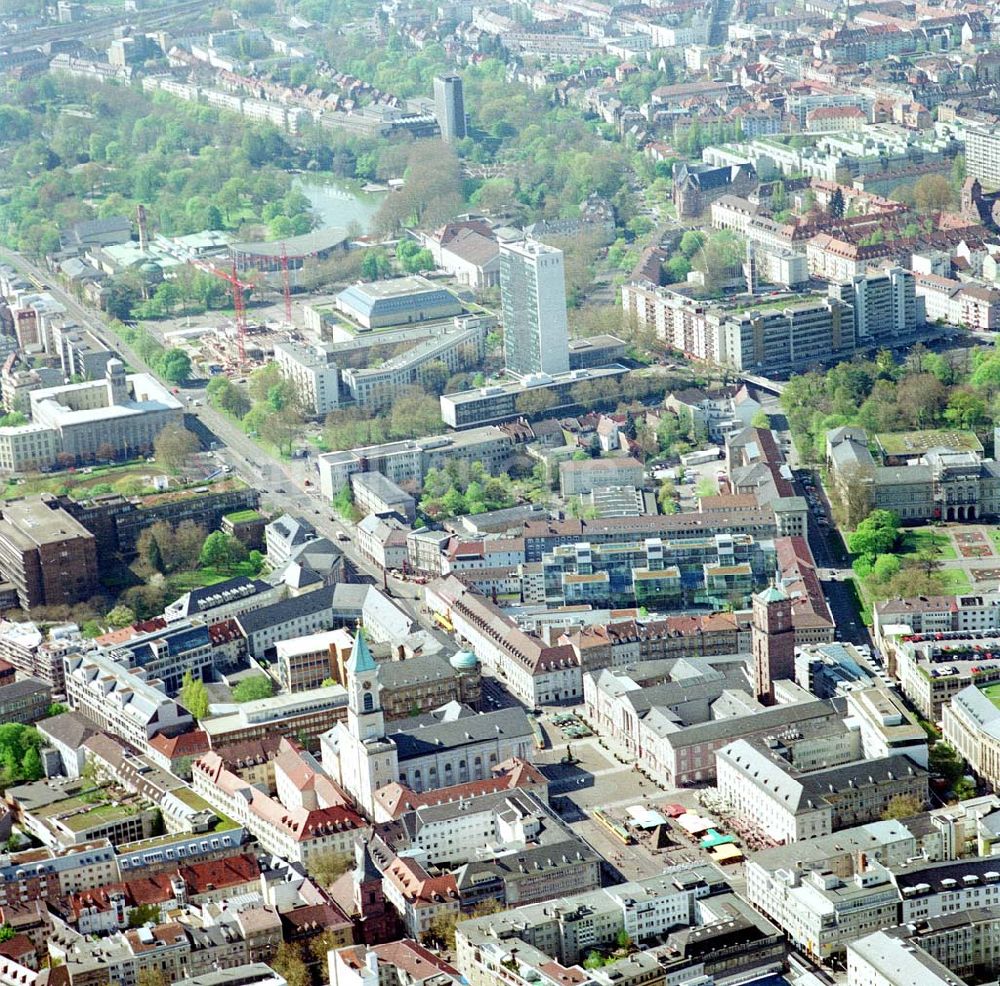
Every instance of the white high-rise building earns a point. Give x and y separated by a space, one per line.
533 297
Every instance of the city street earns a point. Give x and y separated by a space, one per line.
281 484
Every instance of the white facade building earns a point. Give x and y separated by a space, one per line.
533 297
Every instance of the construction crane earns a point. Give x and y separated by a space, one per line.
237 287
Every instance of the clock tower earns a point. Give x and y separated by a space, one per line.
365 718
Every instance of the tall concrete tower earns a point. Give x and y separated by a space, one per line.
772 638
117 383
449 107
533 299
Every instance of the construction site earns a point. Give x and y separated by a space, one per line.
260 278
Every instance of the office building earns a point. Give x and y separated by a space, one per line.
785 805
50 558
982 157
313 374
408 461
884 305
887 959
375 494
449 107
459 344
124 702
533 299
121 414
498 402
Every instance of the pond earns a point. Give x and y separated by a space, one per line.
339 202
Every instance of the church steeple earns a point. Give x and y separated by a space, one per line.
364 707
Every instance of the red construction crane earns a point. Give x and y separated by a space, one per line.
287 284
237 287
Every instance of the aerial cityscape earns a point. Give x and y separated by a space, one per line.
499 493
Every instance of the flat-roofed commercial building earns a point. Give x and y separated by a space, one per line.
398 301
501 401
50 558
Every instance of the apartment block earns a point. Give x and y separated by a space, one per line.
313 373
982 156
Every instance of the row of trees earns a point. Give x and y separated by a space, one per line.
269 407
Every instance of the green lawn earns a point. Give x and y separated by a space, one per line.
243 516
955 580
994 534
920 538
196 578
122 479
992 692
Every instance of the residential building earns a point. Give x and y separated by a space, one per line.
295 832
717 413
50 558
121 701
396 963
449 107
313 373
398 301
653 572
537 938
777 340
884 305
382 540
47 873
533 297
982 156
938 614
284 535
